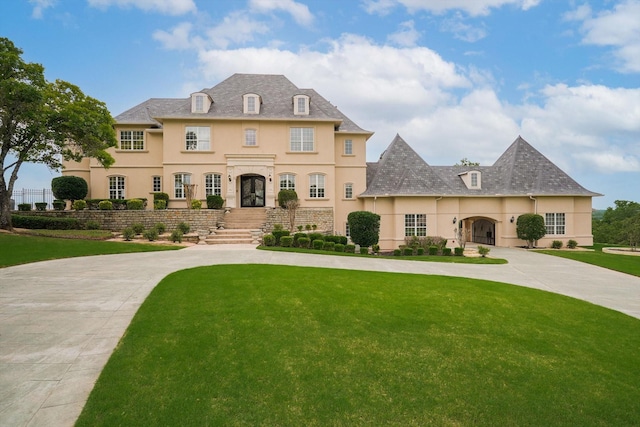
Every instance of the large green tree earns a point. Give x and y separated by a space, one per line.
530 227
44 122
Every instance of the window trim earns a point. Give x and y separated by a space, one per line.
292 179
198 140
251 97
214 187
320 189
297 101
411 222
132 141
302 140
182 195
119 193
153 184
247 131
555 222
348 147
348 191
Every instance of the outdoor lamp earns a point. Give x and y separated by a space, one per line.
455 219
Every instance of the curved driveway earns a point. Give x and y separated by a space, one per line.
60 320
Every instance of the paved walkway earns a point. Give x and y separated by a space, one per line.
60 320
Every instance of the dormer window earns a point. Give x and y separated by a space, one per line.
200 103
251 103
301 105
472 179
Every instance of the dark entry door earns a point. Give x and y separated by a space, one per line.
252 191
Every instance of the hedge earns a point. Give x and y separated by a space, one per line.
45 222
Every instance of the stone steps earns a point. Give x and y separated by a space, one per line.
234 236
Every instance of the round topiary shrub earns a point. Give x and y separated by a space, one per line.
79 205
24 207
59 205
41 206
556 244
329 246
69 188
105 205
317 244
364 250
572 244
350 248
458 251
196 204
397 252
135 205
303 242
433 250
268 240
158 198
339 247
286 241
214 201
159 204
446 251
285 196
407 251
420 251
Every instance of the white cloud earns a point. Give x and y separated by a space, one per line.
300 12
406 36
471 7
39 7
618 28
179 38
462 30
237 28
167 7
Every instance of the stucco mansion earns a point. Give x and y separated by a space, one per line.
251 136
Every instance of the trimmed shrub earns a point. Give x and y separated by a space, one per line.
105 205
530 227
59 205
364 250
278 235
397 252
420 251
286 241
556 244
41 206
45 223
458 251
433 250
296 238
375 248
160 227
128 234
483 251
176 236
79 205
446 251
161 196
159 204
138 228
135 205
407 251
350 248
364 227
329 246
184 227
316 236
24 207
92 225
286 195
151 234
196 204
336 239
317 244
69 188
303 242
268 240
572 244
214 201
339 247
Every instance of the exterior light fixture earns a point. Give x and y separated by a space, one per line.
512 219
455 219
229 177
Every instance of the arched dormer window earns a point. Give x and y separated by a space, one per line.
200 102
301 105
251 103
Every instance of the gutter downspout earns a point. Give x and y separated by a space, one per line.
535 204
437 214
374 203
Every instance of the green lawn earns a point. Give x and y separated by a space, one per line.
19 249
624 263
292 346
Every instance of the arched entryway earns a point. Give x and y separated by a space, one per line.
483 231
252 191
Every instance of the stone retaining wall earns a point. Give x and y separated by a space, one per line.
322 217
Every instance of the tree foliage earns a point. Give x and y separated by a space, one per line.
44 122
69 188
530 227
618 224
467 162
364 227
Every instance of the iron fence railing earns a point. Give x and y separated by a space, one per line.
32 196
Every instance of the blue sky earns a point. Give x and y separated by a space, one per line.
456 78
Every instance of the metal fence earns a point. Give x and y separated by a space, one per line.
32 196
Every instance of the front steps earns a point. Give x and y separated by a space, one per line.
234 236
239 226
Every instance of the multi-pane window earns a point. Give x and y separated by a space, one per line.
348 147
316 186
415 225
250 137
179 180
251 104
213 184
116 187
199 103
287 181
131 140
301 139
474 179
302 105
198 138
156 182
348 190
555 223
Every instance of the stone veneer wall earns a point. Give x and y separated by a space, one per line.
322 217
118 220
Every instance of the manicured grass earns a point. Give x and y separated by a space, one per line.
71 234
624 263
292 346
20 249
451 259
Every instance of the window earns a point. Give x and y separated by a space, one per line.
287 182
199 103
179 180
116 187
555 223
301 139
250 137
348 191
474 179
131 140
415 225
316 186
348 147
156 183
213 184
301 105
197 138
251 104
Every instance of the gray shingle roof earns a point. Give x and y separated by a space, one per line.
276 94
521 170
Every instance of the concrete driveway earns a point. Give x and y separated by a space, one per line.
60 320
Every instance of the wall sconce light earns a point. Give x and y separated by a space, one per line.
229 177
270 178
512 219
455 219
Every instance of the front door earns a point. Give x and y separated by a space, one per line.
252 191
